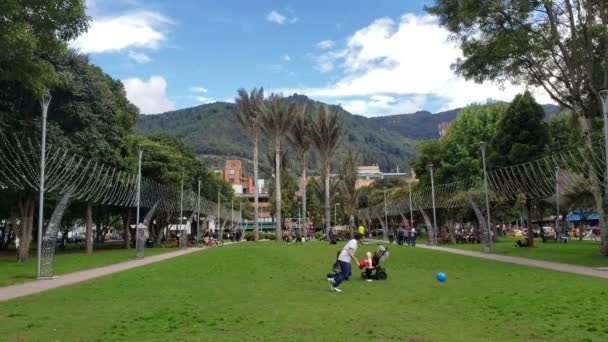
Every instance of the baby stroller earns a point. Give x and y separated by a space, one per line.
378 272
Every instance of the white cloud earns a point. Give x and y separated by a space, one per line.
204 100
294 20
382 105
149 96
411 60
139 57
286 58
276 17
198 89
325 44
140 29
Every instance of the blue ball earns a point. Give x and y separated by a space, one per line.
441 277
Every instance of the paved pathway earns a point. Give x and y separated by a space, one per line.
555 266
20 290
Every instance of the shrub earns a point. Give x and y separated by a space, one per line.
249 236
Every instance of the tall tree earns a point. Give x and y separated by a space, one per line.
32 30
326 137
521 137
276 118
560 46
347 186
299 138
246 114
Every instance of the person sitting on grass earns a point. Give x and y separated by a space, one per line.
519 243
346 255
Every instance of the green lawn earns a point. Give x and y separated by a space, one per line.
574 252
12 272
278 292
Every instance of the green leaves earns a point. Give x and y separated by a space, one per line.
32 30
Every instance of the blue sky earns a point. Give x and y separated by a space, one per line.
373 57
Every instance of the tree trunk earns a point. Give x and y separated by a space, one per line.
529 223
430 229
351 226
597 188
256 195
327 204
126 225
89 228
452 231
26 211
277 188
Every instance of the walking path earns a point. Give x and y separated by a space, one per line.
36 286
549 265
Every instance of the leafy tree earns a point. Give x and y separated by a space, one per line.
299 139
521 137
33 30
276 117
562 133
327 136
558 45
348 192
246 114
462 156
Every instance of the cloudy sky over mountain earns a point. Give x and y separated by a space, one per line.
373 58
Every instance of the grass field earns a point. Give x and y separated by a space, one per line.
576 252
12 272
278 292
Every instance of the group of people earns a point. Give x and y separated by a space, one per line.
405 236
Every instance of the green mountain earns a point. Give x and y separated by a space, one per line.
210 130
389 141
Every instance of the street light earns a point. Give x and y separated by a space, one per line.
139 248
557 218
604 99
335 212
430 166
182 240
384 231
409 186
45 101
483 146
198 212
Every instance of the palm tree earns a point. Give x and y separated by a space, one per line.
326 137
347 186
299 139
246 115
276 116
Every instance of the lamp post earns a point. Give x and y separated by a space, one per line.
604 99
409 186
139 250
45 101
219 199
483 146
182 242
430 166
385 230
198 211
557 218
335 212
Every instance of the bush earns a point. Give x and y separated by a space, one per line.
249 236
270 236
318 235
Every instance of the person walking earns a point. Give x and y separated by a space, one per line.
346 255
413 236
391 235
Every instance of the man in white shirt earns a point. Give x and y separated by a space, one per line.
346 255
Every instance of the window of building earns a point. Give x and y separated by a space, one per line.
231 172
